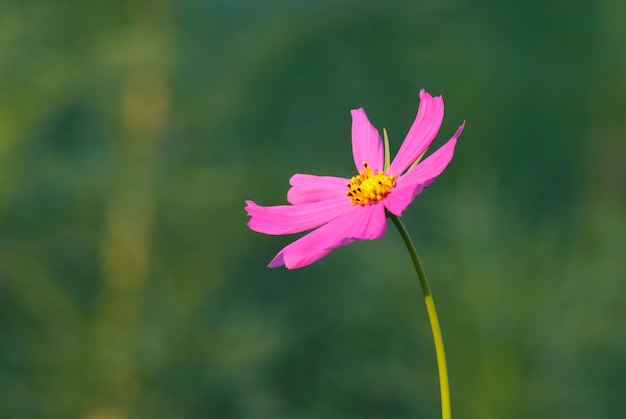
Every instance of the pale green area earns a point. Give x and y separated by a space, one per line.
132 132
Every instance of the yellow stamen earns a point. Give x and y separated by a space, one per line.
369 187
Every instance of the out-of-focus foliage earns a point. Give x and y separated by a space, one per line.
132 131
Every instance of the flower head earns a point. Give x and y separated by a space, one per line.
341 211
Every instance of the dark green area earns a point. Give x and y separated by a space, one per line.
132 132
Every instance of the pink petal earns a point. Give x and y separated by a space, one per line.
422 133
360 223
289 219
400 197
311 188
413 182
367 146
431 167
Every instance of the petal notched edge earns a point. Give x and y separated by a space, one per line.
360 223
421 134
310 188
367 145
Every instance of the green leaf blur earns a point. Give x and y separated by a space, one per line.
132 131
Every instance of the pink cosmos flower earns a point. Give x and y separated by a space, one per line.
346 210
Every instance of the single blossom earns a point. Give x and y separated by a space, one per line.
341 211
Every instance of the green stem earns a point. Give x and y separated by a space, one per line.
432 315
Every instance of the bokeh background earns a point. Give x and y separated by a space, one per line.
131 132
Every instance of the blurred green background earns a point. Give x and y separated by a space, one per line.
131 132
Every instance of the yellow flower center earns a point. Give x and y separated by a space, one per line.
368 188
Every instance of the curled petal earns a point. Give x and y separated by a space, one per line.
414 181
366 142
289 219
422 133
310 188
359 223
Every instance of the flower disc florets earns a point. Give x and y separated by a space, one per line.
369 187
